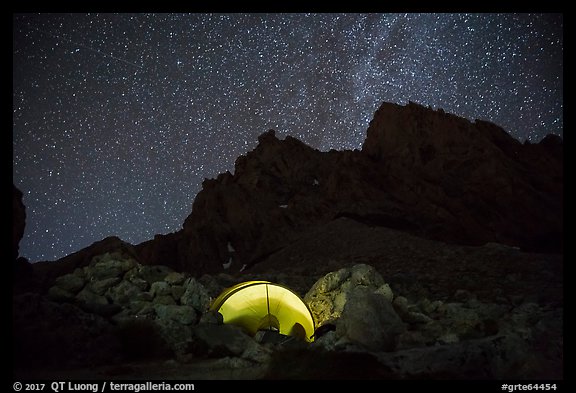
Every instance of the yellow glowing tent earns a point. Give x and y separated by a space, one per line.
262 305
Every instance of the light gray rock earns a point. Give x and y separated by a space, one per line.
326 342
108 265
330 282
416 317
184 315
97 304
140 283
365 275
89 298
329 295
195 295
494 357
175 278
175 334
123 293
257 353
160 288
72 283
154 273
401 305
144 296
220 340
141 308
386 291
164 300
369 320
100 287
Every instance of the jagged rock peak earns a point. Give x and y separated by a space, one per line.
423 171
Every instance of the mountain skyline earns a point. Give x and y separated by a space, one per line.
119 117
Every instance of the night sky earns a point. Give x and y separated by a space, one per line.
117 118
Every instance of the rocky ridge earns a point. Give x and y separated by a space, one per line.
422 171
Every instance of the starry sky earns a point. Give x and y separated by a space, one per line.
118 118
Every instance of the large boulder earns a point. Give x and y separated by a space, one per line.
496 357
195 295
358 303
369 321
328 296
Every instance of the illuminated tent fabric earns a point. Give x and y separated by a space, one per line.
262 305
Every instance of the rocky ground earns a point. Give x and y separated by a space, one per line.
393 306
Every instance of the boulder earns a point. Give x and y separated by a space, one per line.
100 287
195 295
152 274
328 296
184 315
108 265
368 320
160 288
123 293
496 357
220 340
175 278
72 283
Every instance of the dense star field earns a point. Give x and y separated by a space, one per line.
117 118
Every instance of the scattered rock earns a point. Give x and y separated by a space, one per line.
100 287
175 278
160 288
164 299
487 358
72 283
123 293
184 315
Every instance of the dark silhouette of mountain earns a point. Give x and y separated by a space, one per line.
426 172
423 171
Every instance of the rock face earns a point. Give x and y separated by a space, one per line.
18 220
423 171
463 179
